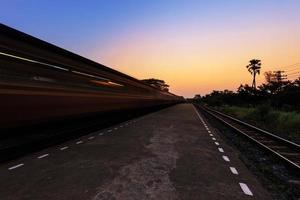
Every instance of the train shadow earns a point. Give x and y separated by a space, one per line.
19 141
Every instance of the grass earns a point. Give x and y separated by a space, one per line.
285 124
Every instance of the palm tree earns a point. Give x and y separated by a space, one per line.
254 68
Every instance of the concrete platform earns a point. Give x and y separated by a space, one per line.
169 154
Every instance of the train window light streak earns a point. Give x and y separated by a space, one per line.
116 84
61 68
106 83
33 61
89 75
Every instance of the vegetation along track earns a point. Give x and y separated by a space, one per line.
284 149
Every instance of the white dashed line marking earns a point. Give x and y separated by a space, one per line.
116 128
197 113
209 131
63 148
92 137
246 189
217 143
221 150
226 158
121 126
211 135
100 133
233 170
43 156
16 166
79 142
213 138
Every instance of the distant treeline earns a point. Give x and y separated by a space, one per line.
273 105
276 92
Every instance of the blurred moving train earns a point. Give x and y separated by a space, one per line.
41 82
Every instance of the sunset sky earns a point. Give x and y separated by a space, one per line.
195 46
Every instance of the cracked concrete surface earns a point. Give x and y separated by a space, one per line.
147 178
164 155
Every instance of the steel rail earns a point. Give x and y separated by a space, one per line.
292 158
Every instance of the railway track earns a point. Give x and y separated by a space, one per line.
283 149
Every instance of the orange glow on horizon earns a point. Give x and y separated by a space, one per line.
197 61
195 46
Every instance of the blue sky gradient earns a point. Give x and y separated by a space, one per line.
103 30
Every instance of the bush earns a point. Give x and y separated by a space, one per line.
262 112
285 124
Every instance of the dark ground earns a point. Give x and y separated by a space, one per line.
276 177
164 155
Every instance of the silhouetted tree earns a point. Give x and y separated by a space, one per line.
197 96
268 76
277 92
160 84
254 68
275 82
279 76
